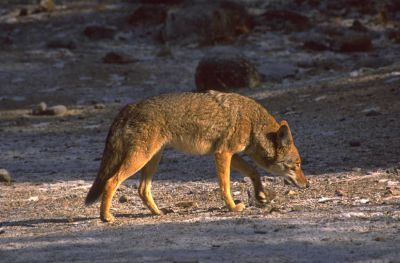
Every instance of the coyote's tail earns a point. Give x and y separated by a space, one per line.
110 163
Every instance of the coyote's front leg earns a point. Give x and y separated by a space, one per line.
223 164
262 196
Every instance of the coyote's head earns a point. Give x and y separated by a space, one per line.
286 161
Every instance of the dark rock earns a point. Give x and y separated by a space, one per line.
123 199
148 15
224 72
23 12
117 58
96 32
394 35
352 42
372 113
354 143
67 44
315 45
207 23
284 20
357 26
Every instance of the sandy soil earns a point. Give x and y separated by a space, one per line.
345 122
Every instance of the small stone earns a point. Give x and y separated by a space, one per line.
315 45
186 204
260 232
123 199
33 198
373 113
291 193
379 239
99 106
117 58
339 192
167 210
356 169
5 176
97 32
236 193
39 109
57 110
47 6
67 44
364 201
319 98
354 143
23 12
392 183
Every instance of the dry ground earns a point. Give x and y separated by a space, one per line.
346 127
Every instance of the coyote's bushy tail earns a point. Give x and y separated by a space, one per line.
110 163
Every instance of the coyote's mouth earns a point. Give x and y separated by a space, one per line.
290 181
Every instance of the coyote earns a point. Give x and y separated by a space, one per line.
222 124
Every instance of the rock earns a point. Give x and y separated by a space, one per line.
284 20
47 6
373 111
207 23
315 45
147 15
292 193
123 199
354 143
379 239
327 199
339 192
359 27
99 106
166 210
225 72
394 35
57 110
33 198
97 32
356 169
59 43
186 204
5 176
352 42
117 58
23 12
364 201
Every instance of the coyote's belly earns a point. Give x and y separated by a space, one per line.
192 145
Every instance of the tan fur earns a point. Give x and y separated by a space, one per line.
222 124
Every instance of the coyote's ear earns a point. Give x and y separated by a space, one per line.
284 136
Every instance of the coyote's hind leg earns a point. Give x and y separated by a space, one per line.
145 183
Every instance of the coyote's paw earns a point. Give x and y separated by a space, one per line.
238 208
264 197
108 218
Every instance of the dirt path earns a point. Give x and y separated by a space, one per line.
345 124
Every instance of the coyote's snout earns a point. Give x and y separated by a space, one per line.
222 124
